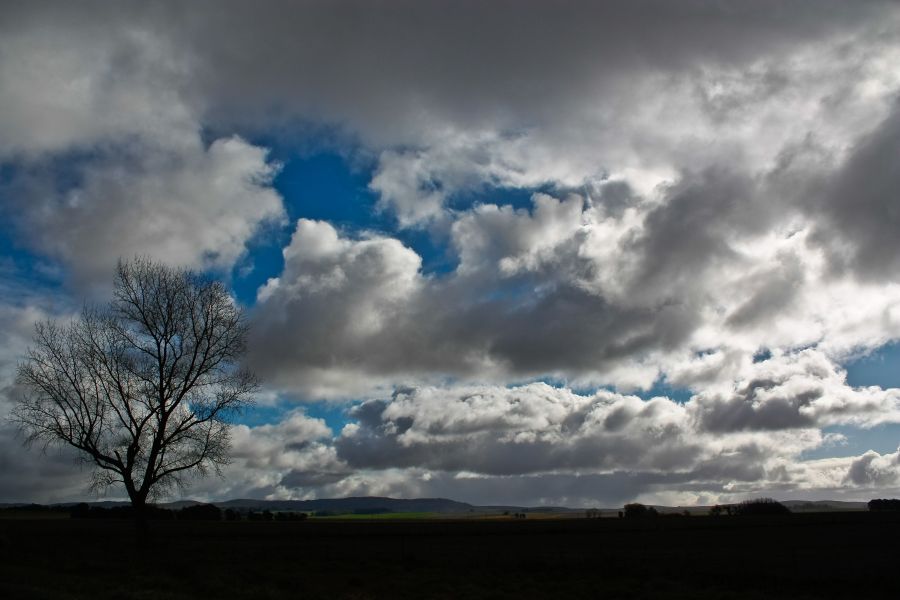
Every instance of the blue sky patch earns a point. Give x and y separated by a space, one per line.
883 439
881 368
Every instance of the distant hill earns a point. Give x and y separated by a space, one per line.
360 504
179 504
374 504
823 505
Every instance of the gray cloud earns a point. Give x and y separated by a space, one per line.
535 428
529 429
860 209
569 290
875 470
345 311
416 445
477 65
793 391
54 475
693 230
174 199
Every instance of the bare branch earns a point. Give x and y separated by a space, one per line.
142 386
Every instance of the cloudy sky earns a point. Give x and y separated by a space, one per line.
522 252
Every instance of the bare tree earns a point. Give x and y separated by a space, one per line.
142 386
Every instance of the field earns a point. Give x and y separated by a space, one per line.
841 555
390 516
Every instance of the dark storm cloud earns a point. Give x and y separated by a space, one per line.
472 63
606 490
54 475
742 411
691 232
384 70
858 212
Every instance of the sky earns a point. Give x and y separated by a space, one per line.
569 253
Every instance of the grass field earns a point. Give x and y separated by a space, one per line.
392 516
839 555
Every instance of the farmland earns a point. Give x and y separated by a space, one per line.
844 555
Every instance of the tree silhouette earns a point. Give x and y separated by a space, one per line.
760 506
636 510
884 504
142 386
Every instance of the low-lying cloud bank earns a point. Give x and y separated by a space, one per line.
541 444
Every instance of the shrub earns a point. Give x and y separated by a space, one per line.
636 510
200 512
85 511
760 506
884 504
290 516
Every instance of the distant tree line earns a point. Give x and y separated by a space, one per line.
758 506
267 515
29 508
636 510
196 512
884 504
517 515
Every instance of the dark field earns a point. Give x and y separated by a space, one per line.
845 555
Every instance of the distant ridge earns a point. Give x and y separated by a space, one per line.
376 504
362 503
823 505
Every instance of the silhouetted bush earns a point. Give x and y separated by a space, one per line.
636 510
200 512
884 504
290 516
265 515
232 515
760 506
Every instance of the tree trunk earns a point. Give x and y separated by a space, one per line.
141 520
